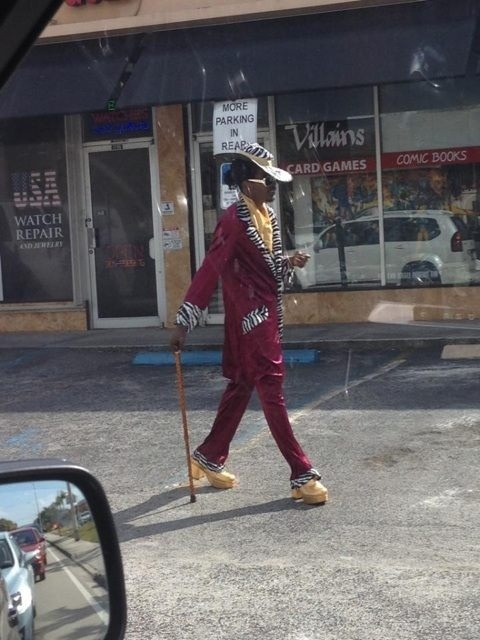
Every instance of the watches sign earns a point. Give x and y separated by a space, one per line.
124 123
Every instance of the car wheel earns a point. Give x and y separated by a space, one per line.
420 274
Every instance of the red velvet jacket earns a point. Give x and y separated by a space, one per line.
252 283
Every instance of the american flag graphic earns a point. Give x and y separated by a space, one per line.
20 182
35 189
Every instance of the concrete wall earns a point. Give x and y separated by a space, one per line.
48 317
388 305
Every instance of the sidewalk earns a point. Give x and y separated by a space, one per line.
358 336
87 555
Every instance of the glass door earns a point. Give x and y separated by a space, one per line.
121 234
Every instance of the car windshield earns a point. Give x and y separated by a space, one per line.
239 271
24 537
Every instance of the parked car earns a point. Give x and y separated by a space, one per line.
33 544
84 516
421 248
18 574
8 614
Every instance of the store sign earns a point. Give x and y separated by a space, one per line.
341 166
397 160
124 256
327 147
330 135
234 125
38 217
124 123
34 220
430 158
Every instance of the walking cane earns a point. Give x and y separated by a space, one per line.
181 400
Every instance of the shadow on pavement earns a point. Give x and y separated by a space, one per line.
128 531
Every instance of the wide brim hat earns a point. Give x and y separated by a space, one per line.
264 159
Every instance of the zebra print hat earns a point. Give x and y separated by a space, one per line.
264 159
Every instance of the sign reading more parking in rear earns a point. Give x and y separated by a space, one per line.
234 125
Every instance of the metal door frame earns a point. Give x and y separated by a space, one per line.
144 321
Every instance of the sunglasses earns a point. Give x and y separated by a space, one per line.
268 181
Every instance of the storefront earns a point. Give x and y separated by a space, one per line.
110 190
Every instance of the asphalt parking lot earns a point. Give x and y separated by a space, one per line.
394 554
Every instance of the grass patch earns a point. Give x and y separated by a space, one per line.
87 532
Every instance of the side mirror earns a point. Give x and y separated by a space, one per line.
77 583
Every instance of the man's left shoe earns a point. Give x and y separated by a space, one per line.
312 492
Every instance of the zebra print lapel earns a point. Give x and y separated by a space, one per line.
275 259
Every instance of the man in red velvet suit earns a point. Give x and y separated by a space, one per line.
246 253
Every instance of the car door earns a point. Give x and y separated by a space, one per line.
327 263
362 251
8 614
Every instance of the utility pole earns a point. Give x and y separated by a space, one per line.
73 512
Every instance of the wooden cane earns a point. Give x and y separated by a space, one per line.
181 400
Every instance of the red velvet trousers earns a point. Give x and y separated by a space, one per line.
233 404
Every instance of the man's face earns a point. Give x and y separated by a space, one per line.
261 188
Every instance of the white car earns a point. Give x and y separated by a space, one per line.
19 578
84 516
421 248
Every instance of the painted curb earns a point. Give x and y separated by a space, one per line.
200 358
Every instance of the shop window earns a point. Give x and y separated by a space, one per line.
430 161
430 169
326 139
34 226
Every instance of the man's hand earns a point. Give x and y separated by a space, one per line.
299 259
177 339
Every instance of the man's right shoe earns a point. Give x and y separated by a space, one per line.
312 492
218 479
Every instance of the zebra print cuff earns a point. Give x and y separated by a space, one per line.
201 459
254 318
188 315
312 474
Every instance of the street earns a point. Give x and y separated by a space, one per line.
69 603
393 555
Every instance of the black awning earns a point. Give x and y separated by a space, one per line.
356 47
72 77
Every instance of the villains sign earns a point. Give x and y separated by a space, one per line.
315 148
